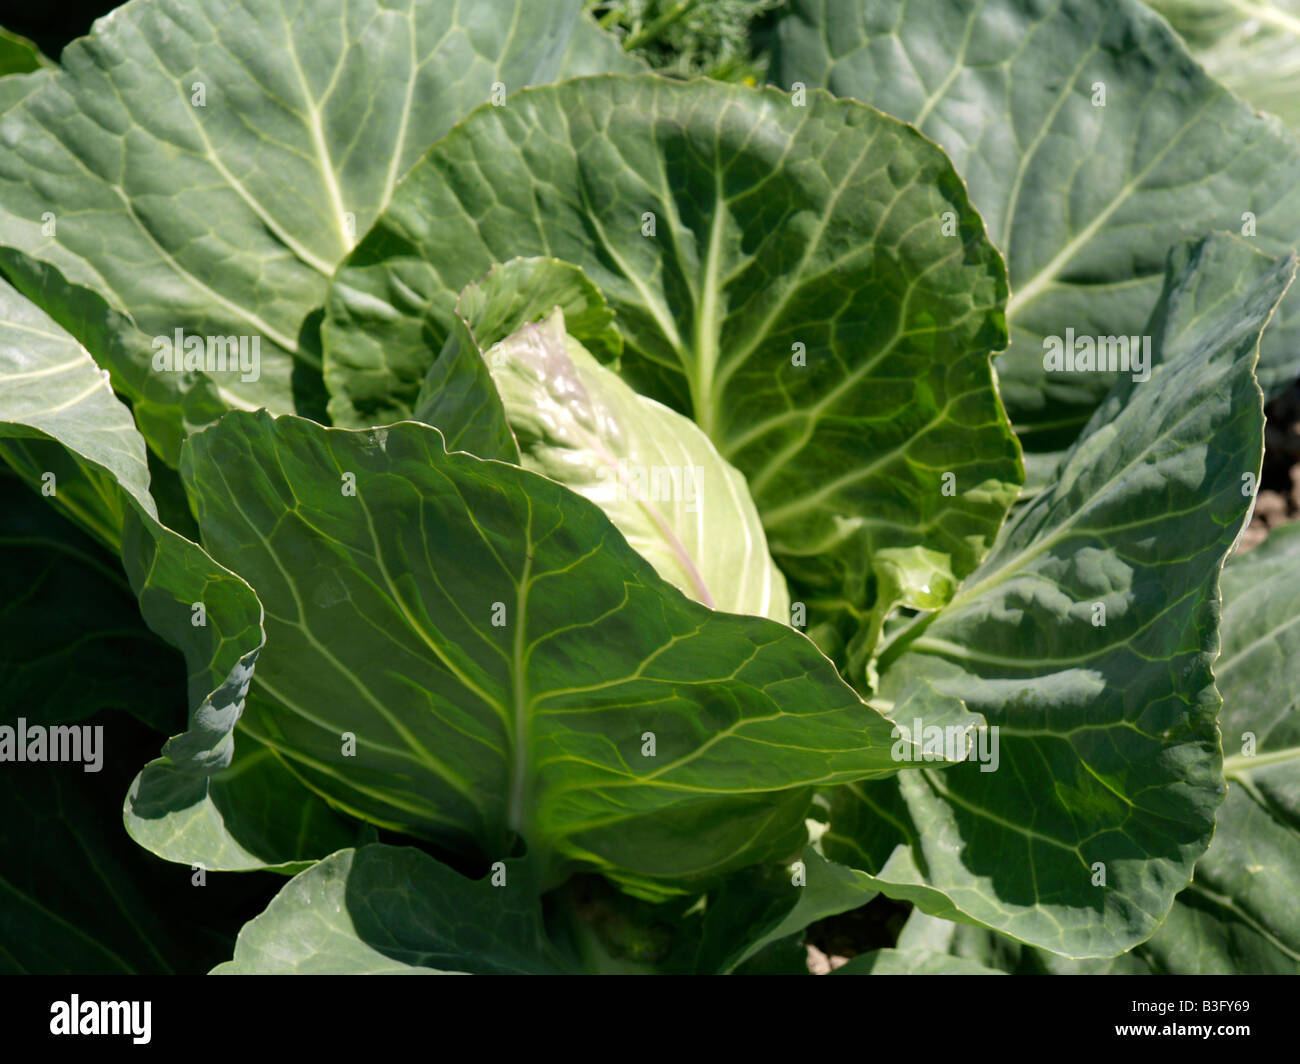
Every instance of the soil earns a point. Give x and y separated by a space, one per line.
1278 500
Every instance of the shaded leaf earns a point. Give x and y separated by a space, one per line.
1251 47
779 273
205 166
508 665
1109 755
77 896
652 471
57 404
386 910
1084 200
18 55
54 577
764 905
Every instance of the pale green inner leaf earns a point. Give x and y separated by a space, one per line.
653 471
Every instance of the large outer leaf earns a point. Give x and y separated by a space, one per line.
929 935
1109 751
380 604
227 219
1238 915
776 226
57 403
53 389
1084 201
1240 912
1252 46
385 910
652 471
166 406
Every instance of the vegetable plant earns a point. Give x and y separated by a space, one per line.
526 512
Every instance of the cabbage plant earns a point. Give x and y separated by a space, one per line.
563 518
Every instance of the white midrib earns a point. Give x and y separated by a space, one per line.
1240 764
1049 273
325 269
706 322
519 783
318 142
1232 906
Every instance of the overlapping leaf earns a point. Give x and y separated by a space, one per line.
1251 46
57 405
204 166
78 895
562 414
468 651
252 814
1086 638
1239 913
387 910
912 962
167 406
652 471
52 393
765 904
54 390
809 283
457 395
1083 192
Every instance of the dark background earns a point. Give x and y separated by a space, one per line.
53 23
